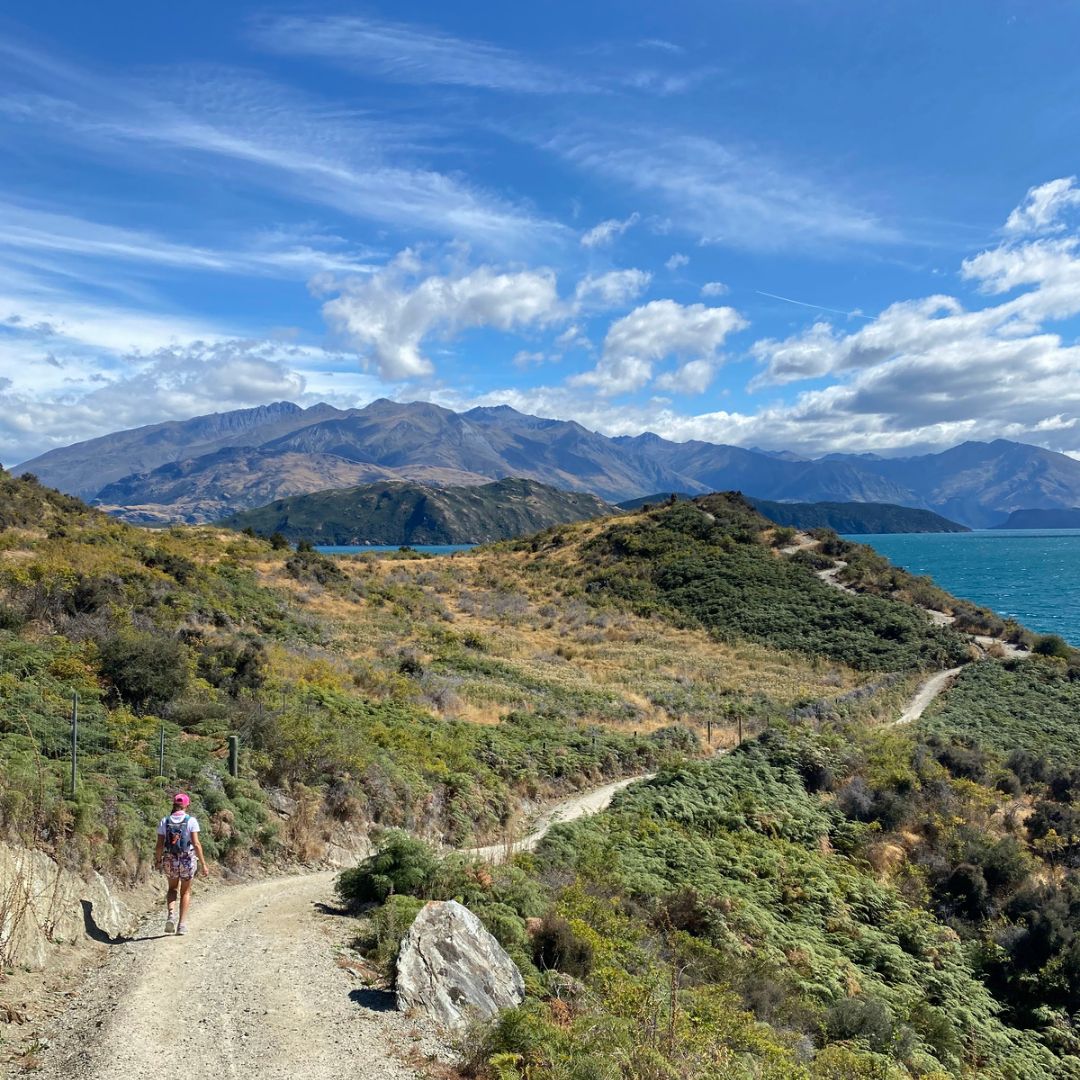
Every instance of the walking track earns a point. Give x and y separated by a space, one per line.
253 990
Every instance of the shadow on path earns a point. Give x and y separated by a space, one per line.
374 1000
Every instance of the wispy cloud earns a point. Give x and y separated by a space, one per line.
411 54
606 232
30 233
724 194
285 141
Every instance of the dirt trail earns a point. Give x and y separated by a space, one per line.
588 802
252 991
928 690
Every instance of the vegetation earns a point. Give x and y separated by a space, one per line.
829 901
396 512
855 517
706 562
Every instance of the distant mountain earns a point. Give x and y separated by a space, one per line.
238 478
977 484
84 468
402 513
1042 519
851 518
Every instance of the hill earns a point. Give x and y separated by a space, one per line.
658 498
837 898
855 518
403 513
1042 519
977 484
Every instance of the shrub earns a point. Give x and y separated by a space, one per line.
401 865
1052 645
146 670
556 946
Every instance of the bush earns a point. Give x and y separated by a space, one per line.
557 947
146 670
401 865
381 939
1052 645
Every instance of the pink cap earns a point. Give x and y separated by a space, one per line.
180 799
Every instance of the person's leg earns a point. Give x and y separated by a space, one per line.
170 899
185 899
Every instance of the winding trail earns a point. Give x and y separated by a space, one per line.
587 802
253 990
928 690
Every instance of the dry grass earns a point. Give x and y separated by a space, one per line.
479 635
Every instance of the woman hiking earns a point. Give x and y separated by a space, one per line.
179 854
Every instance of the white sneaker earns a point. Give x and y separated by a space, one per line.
170 925
182 928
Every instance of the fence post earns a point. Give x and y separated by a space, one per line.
74 743
234 755
740 731
161 753
709 723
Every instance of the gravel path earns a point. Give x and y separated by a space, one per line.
251 991
588 802
926 693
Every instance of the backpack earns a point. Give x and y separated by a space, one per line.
177 837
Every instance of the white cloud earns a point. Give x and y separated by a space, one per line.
388 315
221 121
724 194
653 332
928 372
525 359
693 377
607 231
1043 206
677 261
54 241
610 290
714 288
169 383
409 54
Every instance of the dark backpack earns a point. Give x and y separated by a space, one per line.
177 837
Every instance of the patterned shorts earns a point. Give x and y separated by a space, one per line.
180 866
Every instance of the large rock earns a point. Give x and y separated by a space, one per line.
42 904
451 969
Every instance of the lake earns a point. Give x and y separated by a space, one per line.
1031 575
424 549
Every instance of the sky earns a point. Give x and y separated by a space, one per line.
827 226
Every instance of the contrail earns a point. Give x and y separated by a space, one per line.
816 307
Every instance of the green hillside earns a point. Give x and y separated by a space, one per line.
404 513
855 518
833 899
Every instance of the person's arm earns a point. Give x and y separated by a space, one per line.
197 845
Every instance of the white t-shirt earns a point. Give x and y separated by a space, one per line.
177 819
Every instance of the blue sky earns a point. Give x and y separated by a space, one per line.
815 226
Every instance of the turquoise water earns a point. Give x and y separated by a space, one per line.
359 549
1031 575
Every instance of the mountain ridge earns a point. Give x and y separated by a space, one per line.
976 484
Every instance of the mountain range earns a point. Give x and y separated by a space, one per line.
203 468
